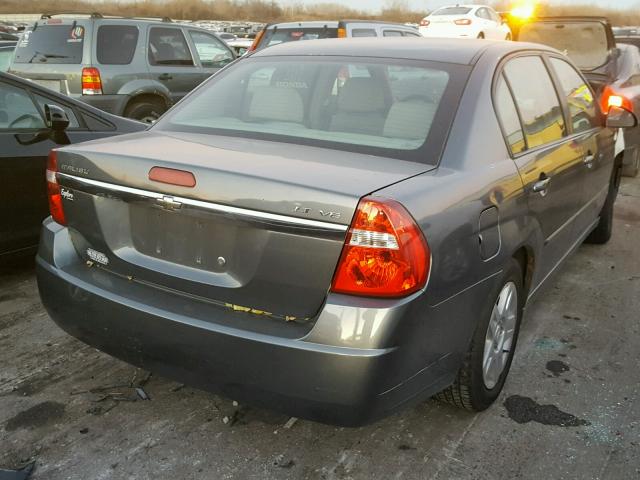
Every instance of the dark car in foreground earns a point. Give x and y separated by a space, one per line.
335 229
26 140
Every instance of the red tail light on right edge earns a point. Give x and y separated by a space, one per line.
53 189
385 253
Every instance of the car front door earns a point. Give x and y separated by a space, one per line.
23 157
550 161
586 124
211 52
171 61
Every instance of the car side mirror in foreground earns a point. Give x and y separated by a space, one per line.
621 118
57 122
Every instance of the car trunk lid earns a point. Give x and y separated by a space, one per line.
262 229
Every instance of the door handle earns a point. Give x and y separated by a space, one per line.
542 185
589 160
165 76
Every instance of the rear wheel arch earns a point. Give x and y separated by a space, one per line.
526 259
145 99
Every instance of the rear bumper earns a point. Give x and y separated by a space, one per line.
350 382
114 104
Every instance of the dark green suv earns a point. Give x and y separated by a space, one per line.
132 67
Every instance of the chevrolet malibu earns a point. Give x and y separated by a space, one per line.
335 229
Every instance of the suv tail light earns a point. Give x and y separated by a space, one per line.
424 22
385 253
462 21
91 81
612 99
342 32
257 40
53 189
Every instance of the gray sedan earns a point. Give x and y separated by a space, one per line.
335 229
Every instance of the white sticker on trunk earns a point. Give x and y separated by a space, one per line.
97 256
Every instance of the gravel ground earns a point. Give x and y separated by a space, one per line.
571 407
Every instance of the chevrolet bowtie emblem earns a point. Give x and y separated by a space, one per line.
168 203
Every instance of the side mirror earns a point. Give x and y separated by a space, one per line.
621 118
57 121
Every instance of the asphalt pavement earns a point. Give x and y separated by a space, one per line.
570 409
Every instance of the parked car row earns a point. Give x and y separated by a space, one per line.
334 229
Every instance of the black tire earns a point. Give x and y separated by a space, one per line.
146 110
604 230
469 391
508 37
481 36
631 168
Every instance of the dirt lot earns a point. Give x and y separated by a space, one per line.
571 408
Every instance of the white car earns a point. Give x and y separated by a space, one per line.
465 21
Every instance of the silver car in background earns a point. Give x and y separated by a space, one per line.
335 229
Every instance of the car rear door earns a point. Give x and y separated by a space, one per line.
586 126
550 162
171 61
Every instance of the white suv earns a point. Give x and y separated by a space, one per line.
465 21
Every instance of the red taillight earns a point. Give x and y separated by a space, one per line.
91 81
342 33
610 98
462 21
385 253
425 22
53 189
257 40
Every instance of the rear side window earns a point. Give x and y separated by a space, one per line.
452 11
116 44
167 46
363 32
274 36
536 99
582 104
508 115
51 44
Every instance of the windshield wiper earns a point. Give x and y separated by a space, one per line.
46 55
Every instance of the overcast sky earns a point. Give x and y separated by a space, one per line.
431 4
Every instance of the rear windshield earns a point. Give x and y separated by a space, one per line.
392 109
274 36
452 11
585 43
51 44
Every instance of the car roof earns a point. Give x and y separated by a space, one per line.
330 23
460 51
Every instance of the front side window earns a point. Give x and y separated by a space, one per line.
536 99
509 120
42 101
167 46
17 110
275 36
210 50
116 44
582 104
51 44
586 43
370 107
392 33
